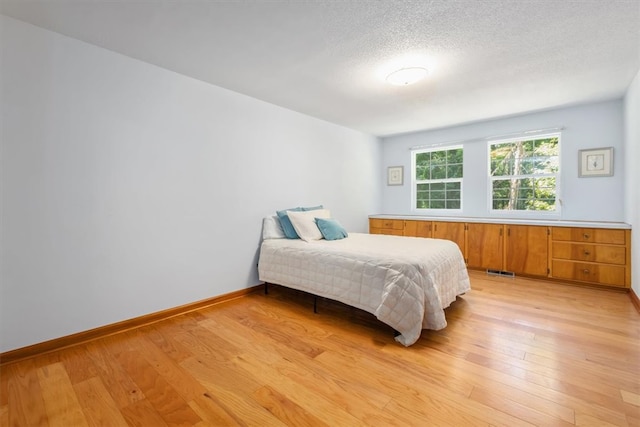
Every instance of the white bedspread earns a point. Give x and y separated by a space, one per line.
406 282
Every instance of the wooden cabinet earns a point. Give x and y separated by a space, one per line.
417 228
453 231
386 226
527 250
592 255
485 246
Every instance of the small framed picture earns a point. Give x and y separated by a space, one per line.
395 175
595 162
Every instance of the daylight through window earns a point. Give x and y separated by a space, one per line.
524 173
438 178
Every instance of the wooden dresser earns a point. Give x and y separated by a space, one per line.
590 255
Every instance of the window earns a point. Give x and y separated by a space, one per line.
437 178
524 173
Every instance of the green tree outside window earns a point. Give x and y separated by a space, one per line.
438 178
524 173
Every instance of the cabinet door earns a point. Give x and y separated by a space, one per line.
485 246
453 231
527 250
417 228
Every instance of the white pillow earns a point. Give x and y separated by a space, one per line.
305 223
271 228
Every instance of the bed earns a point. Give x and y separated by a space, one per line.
406 282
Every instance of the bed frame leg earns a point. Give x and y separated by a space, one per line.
315 304
266 288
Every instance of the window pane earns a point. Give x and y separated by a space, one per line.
499 204
438 157
452 186
453 204
527 167
454 171
422 172
438 172
501 193
453 195
454 156
423 159
437 186
437 195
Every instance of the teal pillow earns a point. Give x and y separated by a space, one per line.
312 208
331 229
287 227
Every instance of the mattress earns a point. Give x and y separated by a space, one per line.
406 282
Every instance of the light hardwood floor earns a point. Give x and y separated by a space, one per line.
516 352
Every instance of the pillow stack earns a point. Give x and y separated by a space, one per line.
309 224
287 227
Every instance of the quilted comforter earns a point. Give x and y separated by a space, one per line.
406 282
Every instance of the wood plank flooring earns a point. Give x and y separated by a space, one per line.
516 352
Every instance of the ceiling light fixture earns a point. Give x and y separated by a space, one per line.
407 76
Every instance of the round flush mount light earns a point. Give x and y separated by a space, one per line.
407 76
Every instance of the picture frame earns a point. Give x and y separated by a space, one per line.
395 175
595 162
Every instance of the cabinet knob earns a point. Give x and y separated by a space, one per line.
585 271
587 253
586 236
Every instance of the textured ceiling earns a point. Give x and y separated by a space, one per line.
328 59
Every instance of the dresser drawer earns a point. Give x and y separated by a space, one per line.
591 253
389 224
389 231
611 275
589 235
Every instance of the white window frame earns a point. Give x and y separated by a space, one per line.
415 182
525 213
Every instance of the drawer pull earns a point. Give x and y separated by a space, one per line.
587 253
586 236
585 271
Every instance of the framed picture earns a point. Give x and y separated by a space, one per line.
395 175
595 162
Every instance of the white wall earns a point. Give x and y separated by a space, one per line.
586 126
128 189
632 177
